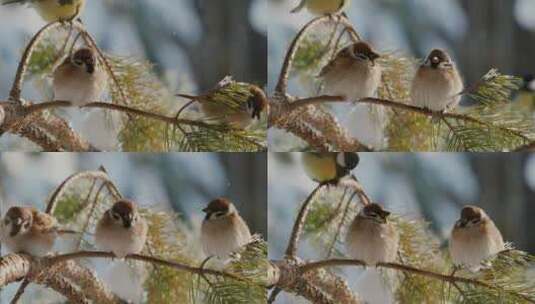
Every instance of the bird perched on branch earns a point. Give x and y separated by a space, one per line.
80 79
371 237
322 7
25 229
238 113
353 73
121 230
329 167
53 10
474 238
223 230
437 85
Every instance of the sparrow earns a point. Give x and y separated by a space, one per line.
371 237
239 116
353 73
322 7
53 10
223 230
79 79
25 229
329 167
437 84
121 230
474 238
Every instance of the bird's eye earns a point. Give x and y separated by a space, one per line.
78 62
115 216
26 225
219 214
361 56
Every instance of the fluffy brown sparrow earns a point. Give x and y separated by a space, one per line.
474 238
80 79
353 73
25 229
223 230
242 115
322 7
121 230
371 237
437 85
329 167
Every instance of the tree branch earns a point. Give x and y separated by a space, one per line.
153 260
398 105
443 277
60 190
282 83
291 251
16 88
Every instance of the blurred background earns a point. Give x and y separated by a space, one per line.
181 182
479 35
429 186
192 44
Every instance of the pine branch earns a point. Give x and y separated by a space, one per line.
442 277
497 134
420 264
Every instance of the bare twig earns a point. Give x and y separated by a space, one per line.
60 190
99 254
331 246
282 84
16 88
20 291
291 251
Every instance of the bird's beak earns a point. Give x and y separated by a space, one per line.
374 56
205 210
90 68
14 230
127 222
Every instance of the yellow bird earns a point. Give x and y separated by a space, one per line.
329 167
53 10
322 7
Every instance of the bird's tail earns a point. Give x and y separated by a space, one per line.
299 7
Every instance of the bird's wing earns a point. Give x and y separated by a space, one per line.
43 222
299 7
328 67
